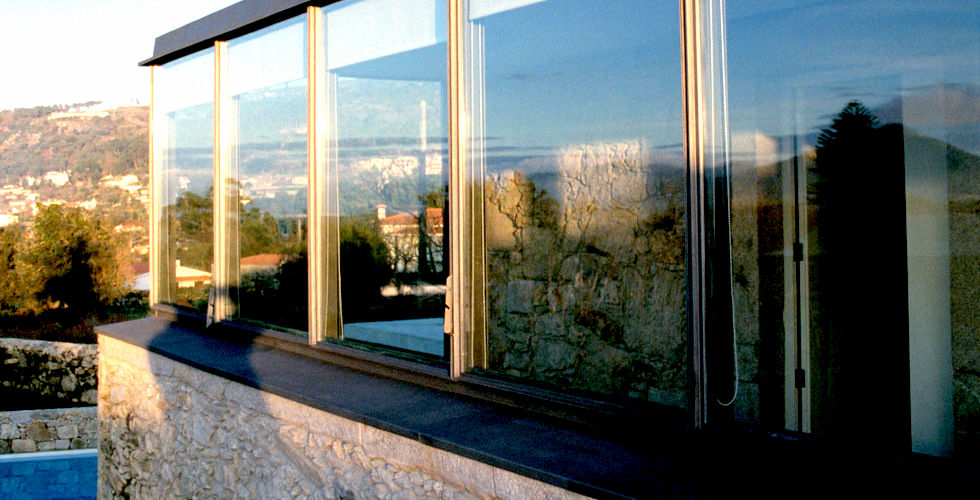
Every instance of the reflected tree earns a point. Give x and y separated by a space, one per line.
365 267
858 280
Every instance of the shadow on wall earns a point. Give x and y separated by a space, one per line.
171 430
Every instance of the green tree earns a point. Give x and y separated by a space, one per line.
75 260
365 265
12 293
258 232
194 229
89 169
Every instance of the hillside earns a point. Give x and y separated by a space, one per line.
77 155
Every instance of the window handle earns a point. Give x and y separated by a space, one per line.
447 319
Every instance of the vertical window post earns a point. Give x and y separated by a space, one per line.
158 239
316 159
713 366
225 194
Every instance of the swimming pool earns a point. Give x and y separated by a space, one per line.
49 475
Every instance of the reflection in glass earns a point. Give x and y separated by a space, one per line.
267 75
857 169
576 136
184 114
385 85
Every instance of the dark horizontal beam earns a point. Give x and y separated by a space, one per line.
231 22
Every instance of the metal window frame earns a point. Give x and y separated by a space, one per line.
466 320
162 278
158 269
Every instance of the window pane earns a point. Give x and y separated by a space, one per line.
577 131
856 139
385 87
184 114
267 81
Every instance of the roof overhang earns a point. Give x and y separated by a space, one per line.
233 21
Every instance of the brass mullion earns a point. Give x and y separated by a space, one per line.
457 163
475 191
315 157
225 193
157 239
693 122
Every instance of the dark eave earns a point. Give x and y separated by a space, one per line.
232 21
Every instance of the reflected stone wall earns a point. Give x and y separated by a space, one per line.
964 240
758 277
585 273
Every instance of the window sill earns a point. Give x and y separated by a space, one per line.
618 460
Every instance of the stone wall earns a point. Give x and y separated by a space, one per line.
46 430
58 369
168 430
585 272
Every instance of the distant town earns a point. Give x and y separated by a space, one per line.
82 155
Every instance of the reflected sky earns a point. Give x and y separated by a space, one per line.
188 110
890 55
572 72
561 73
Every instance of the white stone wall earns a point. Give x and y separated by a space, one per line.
46 430
169 430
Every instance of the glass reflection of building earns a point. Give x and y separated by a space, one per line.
596 205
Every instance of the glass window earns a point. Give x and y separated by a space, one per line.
268 175
576 152
384 89
855 219
183 149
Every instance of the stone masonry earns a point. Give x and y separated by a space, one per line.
169 430
46 430
58 369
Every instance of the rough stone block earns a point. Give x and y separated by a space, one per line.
326 424
476 477
90 396
520 296
45 446
23 446
62 444
38 431
69 382
67 431
508 485
395 449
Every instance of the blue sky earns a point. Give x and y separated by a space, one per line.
67 51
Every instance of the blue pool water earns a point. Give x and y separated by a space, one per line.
49 475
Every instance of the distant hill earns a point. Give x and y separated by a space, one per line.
85 140
80 155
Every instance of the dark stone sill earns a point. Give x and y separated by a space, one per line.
619 460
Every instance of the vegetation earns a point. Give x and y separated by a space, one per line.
63 277
62 268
